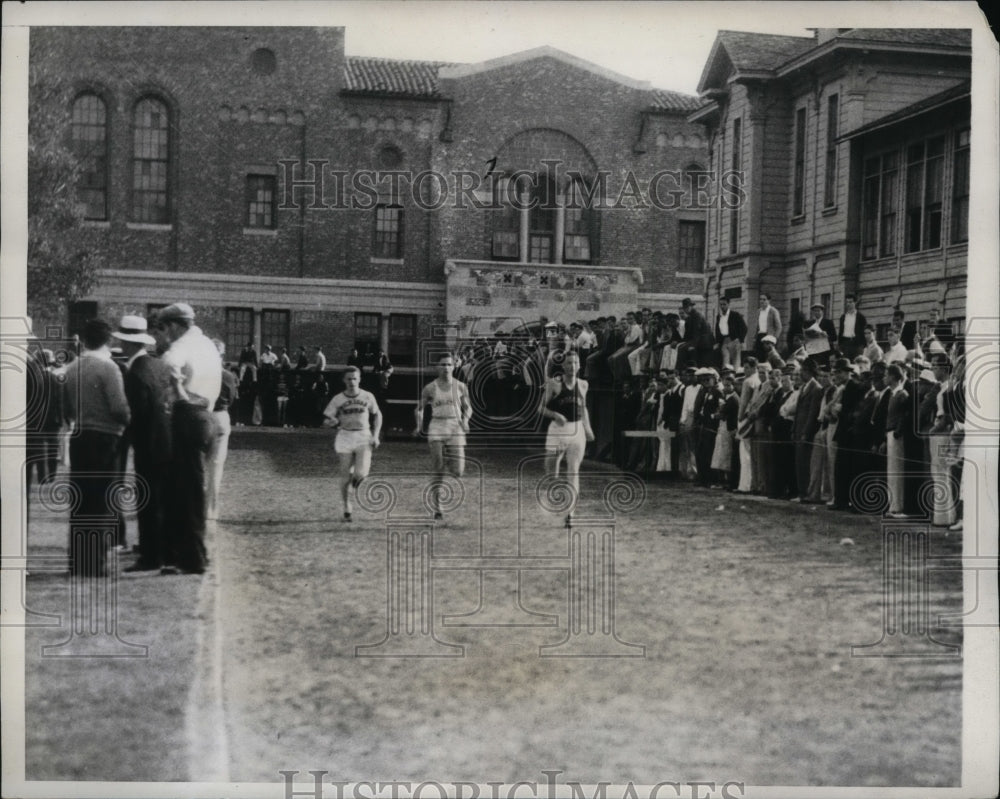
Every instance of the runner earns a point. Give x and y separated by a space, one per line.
565 403
355 414
447 401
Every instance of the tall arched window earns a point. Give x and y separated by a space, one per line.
151 162
90 146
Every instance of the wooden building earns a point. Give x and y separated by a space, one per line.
844 163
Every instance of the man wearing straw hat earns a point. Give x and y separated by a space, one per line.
147 386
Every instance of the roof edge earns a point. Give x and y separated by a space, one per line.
467 70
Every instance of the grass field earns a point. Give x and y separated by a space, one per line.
747 611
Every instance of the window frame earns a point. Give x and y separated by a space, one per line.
830 166
924 213
359 341
136 212
799 164
83 153
387 233
251 198
684 262
235 343
403 356
285 319
959 233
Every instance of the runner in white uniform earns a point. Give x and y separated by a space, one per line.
355 414
565 403
450 414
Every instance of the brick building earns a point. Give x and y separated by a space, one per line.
855 149
299 196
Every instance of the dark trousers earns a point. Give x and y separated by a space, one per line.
193 432
843 473
803 454
152 513
42 452
782 483
703 455
93 520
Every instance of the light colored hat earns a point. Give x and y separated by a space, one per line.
133 328
179 310
770 338
928 375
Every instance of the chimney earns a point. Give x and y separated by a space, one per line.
824 35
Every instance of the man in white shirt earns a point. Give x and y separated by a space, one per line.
851 335
196 377
267 357
768 323
895 351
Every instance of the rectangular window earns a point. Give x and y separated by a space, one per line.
576 243
735 164
239 330
89 136
366 333
924 184
388 232
261 191
403 339
799 188
878 206
691 255
150 162
274 329
830 182
960 190
794 308
825 301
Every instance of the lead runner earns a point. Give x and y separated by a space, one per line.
565 403
355 414
450 412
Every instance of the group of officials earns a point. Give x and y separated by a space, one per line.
164 401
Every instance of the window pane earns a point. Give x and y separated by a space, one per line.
366 332
388 223
274 329
691 257
150 153
402 339
260 194
239 330
89 145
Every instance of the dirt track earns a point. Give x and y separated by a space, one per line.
747 613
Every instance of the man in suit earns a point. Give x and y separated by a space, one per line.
907 330
768 324
820 326
696 347
805 425
147 387
842 442
671 403
782 464
851 332
730 330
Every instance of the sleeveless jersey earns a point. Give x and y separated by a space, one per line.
567 402
445 403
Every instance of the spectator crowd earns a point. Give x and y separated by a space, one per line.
818 414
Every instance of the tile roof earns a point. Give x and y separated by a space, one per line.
762 51
948 37
391 77
664 100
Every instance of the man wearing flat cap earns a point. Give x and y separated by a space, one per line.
196 379
150 396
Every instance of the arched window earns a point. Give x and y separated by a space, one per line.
151 162
90 146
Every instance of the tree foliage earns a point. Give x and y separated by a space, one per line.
61 267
